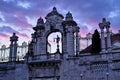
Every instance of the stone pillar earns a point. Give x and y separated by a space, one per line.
102 40
38 45
41 46
102 25
64 48
40 40
70 41
33 42
77 41
70 26
15 51
44 45
108 37
11 49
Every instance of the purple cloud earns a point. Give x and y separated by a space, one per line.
7 29
93 11
3 35
1 20
87 13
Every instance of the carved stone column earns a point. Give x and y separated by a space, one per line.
70 41
10 54
13 48
40 40
38 45
108 37
64 43
15 51
102 40
70 25
102 25
77 41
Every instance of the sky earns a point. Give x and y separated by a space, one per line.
20 16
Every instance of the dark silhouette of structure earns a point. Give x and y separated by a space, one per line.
96 43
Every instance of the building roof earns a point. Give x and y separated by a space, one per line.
86 50
114 38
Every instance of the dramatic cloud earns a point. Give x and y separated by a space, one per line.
31 20
21 15
25 5
93 11
6 32
3 35
0 20
9 30
2 17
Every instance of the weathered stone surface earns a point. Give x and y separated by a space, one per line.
41 65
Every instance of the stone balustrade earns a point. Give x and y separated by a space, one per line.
21 51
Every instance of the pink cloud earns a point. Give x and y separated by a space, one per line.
23 36
4 36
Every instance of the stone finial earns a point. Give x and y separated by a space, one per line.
104 20
105 23
40 25
69 17
54 12
108 24
14 34
102 24
54 9
3 46
69 20
40 22
24 44
14 37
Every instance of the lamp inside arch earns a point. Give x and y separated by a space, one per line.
54 40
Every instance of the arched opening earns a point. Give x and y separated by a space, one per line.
54 42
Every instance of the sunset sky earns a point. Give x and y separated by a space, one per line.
20 16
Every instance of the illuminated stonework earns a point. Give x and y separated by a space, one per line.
69 64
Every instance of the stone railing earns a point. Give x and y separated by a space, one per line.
21 51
